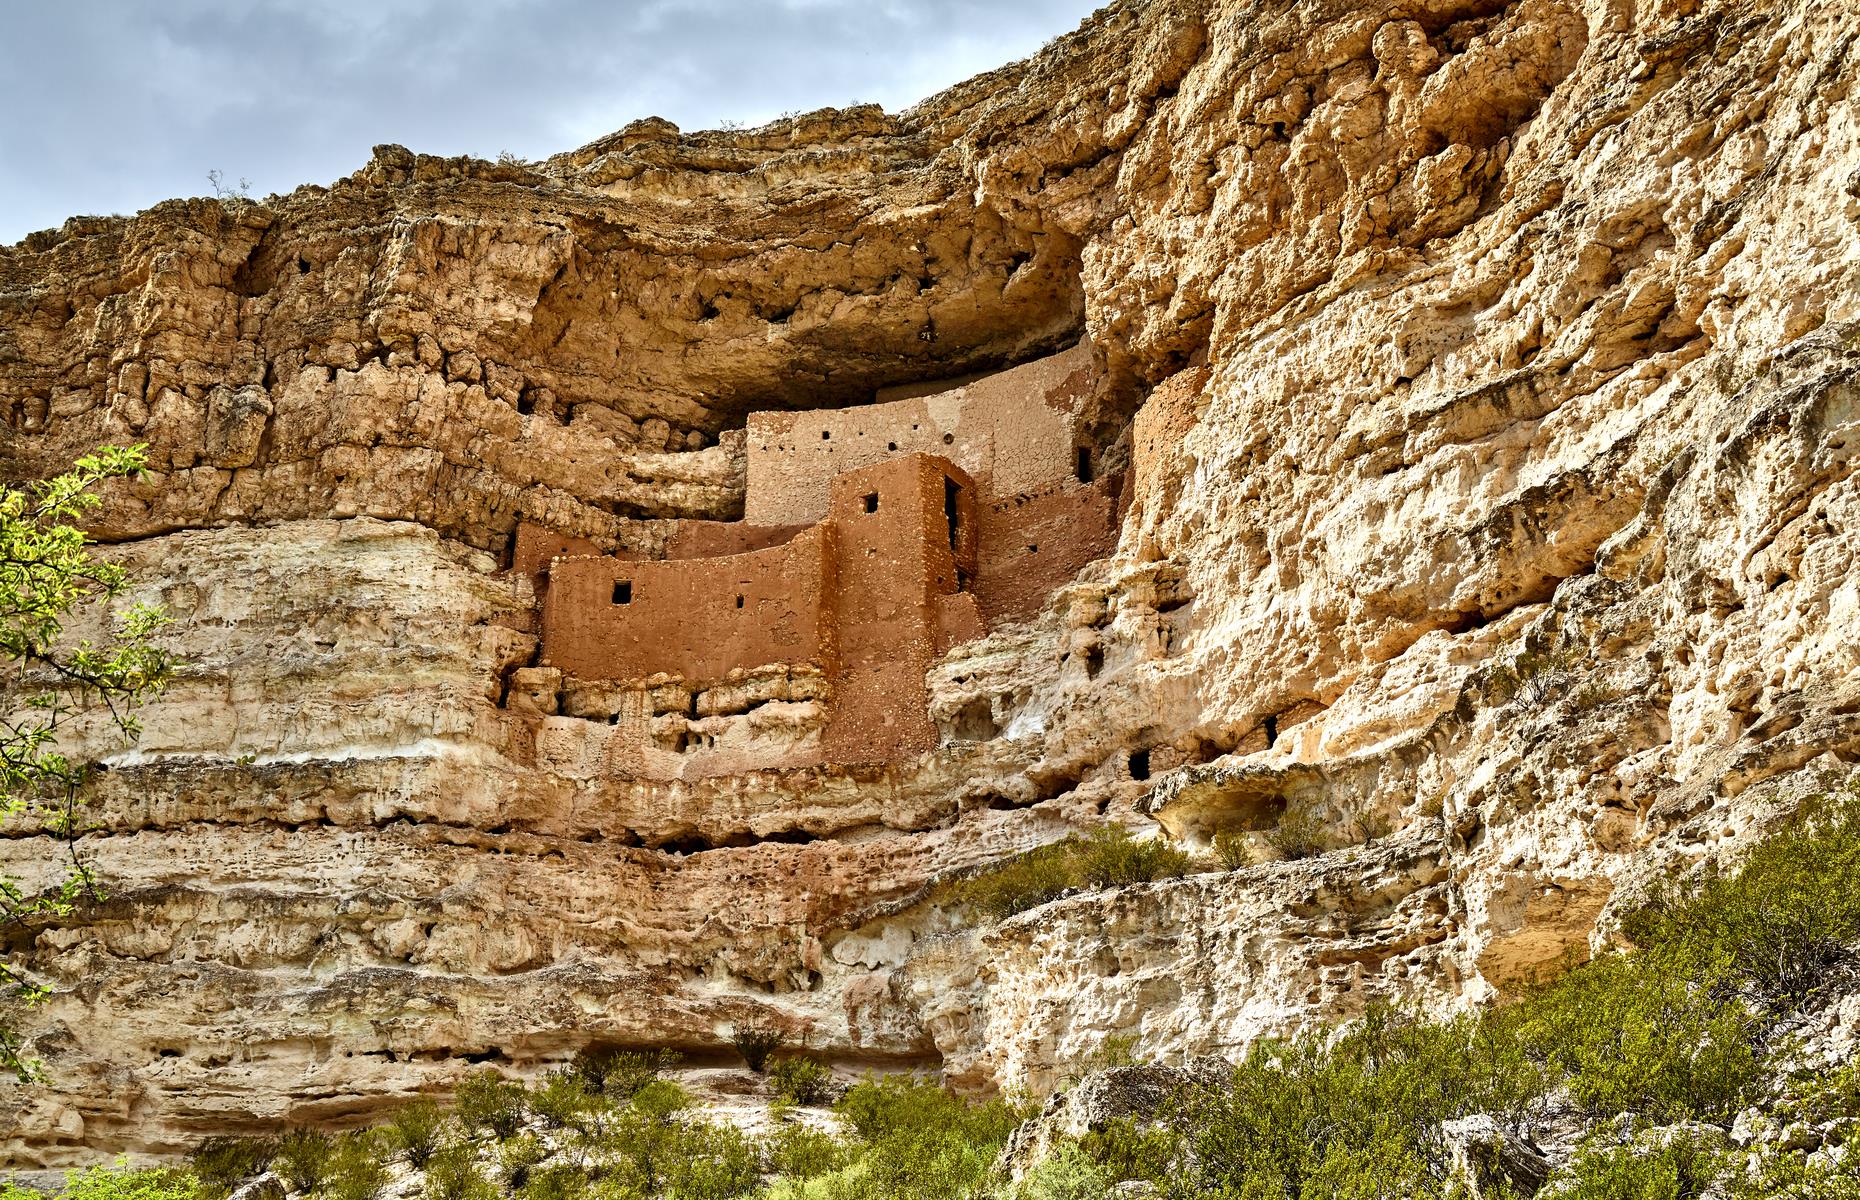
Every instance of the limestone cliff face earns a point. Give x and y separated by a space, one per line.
1488 379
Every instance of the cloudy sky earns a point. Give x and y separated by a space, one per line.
113 105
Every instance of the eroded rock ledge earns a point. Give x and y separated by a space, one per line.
1486 378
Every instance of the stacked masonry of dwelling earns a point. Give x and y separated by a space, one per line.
874 539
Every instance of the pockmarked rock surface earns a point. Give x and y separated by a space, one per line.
1485 379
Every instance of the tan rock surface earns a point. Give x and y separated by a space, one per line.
1494 503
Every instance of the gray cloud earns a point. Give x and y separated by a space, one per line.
116 104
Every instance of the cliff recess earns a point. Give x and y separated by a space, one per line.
1485 377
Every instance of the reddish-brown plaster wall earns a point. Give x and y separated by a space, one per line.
895 566
1032 545
714 539
699 618
537 546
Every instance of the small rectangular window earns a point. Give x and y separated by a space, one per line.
871 502
739 602
623 591
1084 470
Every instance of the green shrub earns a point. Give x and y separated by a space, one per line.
415 1130
755 1043
562 1099
560 1181
486 1100
917 1140
120 1182
645 1149
516 1156
1299 834
1778 927
356 1168
619 1074
1023 882
1314 1117
1112 858
304 1159
799 1152
1109 857
1789 1177
223 1163
1068 1174
452 1174
1634 1034
799 1079
712 1162
1234 849
1681 1170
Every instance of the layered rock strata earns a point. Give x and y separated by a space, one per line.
1486 376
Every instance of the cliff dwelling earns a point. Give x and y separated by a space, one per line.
874 539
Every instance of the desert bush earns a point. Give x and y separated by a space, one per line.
1355 1117
799 1152
646 1150
755 1043
1777 928
121 1182
1299 834
1234 849
1112 858
1023 882
516 1156
800 1079
486 1100
562 1099
223 1163
1632 1034
452 1174
415 1131
916 1140
1683 1169
620 1074
560 1181
304 1159
1109 857
712 1162
1068 1174
356 1168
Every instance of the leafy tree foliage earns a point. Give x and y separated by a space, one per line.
48 576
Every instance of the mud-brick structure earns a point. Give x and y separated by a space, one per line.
875 539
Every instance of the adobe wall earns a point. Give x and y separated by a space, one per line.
714 539
699 618
896 566
536 547
1033 545
1011 432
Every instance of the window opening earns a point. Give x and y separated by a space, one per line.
871 502
1140 764
1084 468
739 602
952 511
623 591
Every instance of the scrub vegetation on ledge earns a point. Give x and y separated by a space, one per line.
1682 1065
